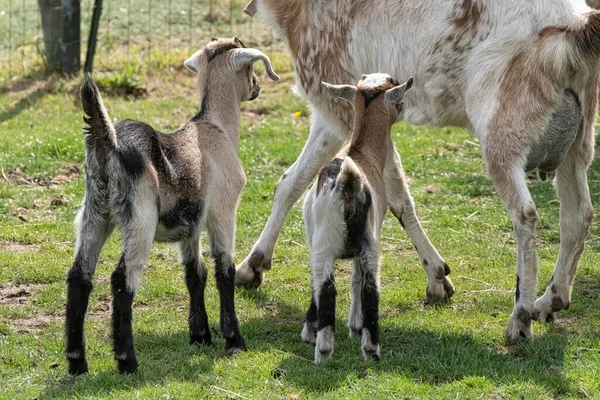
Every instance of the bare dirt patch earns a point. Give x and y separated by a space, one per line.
16 293
18 175
35 323
16 247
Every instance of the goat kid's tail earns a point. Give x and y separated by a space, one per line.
97 123
349 181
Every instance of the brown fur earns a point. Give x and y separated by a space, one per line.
371 134
292 18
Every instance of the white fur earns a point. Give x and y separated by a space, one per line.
457 86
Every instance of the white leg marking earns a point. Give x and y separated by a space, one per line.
324 344
369 349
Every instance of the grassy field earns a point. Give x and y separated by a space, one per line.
453 351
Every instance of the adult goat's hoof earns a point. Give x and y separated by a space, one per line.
552 301
519 324
250 273
440 291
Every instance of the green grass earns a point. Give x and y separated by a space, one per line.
454 351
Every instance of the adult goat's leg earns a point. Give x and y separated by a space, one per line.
576 214
321 146
195 279
93 229
439 286
510 182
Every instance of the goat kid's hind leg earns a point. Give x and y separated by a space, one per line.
576 214
93 229
311 323
138 236
321 146
221 242
195 279
439 286
369 269
355 316
324 293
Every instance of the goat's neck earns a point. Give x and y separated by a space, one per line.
221 107
370 136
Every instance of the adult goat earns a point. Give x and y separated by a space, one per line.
521 76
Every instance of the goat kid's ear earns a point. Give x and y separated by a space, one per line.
344 92
394 96
242 57
192 63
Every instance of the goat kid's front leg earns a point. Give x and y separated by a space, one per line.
576 214
311 323
439 286
324 293
221 238
321 146
195 279
91 236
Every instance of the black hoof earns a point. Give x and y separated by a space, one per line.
235 344
550 318
376 358
203 340
128 366
77 366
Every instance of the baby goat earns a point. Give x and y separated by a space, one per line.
343 213
161 187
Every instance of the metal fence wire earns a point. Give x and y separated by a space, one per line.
145 31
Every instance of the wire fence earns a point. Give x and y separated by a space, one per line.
152 33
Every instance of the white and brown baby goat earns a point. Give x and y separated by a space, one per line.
168 188
343 213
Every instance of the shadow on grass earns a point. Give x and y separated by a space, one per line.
415 353
418 354
161 357
26 102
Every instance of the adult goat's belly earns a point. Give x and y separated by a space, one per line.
552 147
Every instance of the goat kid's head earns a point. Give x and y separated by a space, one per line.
229 60
373 89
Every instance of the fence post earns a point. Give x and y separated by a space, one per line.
71 36
50 12
91 49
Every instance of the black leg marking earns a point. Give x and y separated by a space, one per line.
195 279
309 331
326 309
121 321
311 313
78 294
225 276
517 291
370 308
